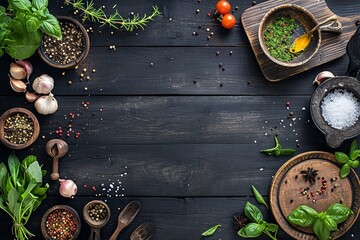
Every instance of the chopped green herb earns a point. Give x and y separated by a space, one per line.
278 36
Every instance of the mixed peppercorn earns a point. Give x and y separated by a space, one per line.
61 224
18 128
97 212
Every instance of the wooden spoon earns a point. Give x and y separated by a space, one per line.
95 225
303 41
126 216
143 232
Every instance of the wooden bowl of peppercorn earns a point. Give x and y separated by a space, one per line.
19 128
69 51
60 222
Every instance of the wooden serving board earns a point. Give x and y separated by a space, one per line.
332 46
288 185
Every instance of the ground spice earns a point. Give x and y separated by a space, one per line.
97 212
18 128
61 224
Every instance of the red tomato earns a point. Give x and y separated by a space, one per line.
228 21
223 7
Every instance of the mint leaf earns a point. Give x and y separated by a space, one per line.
23 5
39 4
51 26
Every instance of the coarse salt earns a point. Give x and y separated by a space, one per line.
340 109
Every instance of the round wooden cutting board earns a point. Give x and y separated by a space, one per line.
290 189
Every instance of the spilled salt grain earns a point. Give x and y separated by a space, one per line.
340 109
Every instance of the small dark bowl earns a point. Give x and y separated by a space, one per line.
334 137
65 207
306 20
11 112
80 59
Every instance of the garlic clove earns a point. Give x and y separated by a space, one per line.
322 76
31 97
43 84
46 104
27 66
17 72
17 85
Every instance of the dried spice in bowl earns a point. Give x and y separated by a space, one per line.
97 212
18 128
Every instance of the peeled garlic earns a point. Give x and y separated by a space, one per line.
31 97
17 85
43 84
17 72
46 104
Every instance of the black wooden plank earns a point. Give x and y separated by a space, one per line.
175 71
174 218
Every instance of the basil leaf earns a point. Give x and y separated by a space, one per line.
338 212
251 230
39 4
330 223
51 26
321 230
341 157
303 216
271 227
211 230
24 5
14 166
28 160
287 151
352 150
258 196
277 152
3 176
269 151
345 170
34 172
353 163
32 24
25 45
253 213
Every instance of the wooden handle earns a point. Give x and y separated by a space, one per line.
95 234
116 233
55 169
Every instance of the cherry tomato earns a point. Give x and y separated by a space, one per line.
228 21
223 7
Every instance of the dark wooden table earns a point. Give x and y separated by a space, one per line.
181 134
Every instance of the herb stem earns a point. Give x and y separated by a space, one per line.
270 235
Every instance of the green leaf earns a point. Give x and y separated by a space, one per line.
32 24
253 213
353 163
29 188
330 223
211 230
271 227
345 170
277 144
303 216
34 172
28 160
341 157
321 230
14 166
287 151
24 5
12 199
51 26
17 26
252 230
4 18
25 45
40 191
3 176
338 212
270 151
39 4
258 196
352 150
277 152
8 185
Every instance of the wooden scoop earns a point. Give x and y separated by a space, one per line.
56 148
126 216
143 232
303 41
95 225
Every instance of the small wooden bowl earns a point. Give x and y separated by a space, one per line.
56 207
11 112
82 57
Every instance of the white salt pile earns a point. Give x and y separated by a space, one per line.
340 109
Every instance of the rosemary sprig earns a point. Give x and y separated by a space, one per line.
93 14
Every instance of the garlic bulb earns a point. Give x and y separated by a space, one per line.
46 104
43 84
67 188
17 71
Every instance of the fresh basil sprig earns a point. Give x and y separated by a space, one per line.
278 150
322 223
348 161
211 230
258 225
259 197
21 191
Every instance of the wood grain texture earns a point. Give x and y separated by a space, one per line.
331 47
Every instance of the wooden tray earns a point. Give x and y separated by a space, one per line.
288 184
332 47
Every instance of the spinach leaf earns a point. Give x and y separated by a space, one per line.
211 230
28 160
51 26
258 196
321 230
338 212
14 166
253 213
251 230
12 199
345 170
341 157
3 176
303 216
34 172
